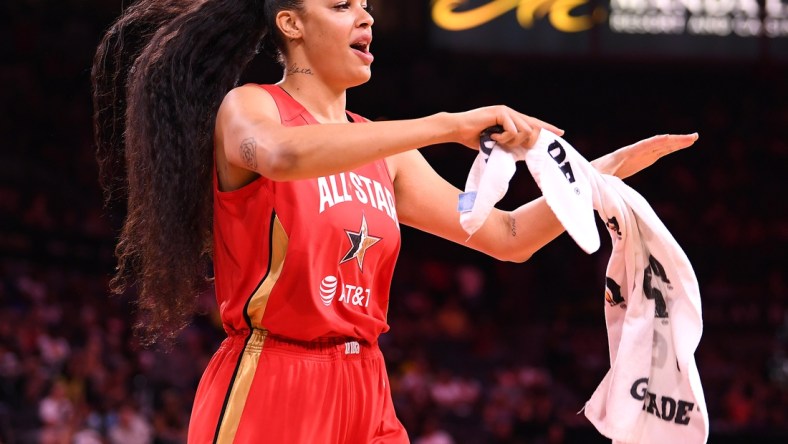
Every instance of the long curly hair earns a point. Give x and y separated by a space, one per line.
159 76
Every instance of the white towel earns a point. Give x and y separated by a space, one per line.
569 191
652 393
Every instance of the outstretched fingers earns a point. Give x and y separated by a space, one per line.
664 144
633 158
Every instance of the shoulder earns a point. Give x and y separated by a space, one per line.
250 100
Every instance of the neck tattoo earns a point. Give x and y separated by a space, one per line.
295 69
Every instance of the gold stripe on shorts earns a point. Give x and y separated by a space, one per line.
254 311
241 385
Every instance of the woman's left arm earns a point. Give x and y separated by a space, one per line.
429 203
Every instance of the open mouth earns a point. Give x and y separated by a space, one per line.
361 46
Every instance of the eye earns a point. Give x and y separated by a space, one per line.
343 5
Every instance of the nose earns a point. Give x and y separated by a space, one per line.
365 19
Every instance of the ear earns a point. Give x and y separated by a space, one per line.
289 24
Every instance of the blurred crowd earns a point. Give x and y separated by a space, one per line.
479 351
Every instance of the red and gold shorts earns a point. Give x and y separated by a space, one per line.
266 389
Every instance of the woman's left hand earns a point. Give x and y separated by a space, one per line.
630 159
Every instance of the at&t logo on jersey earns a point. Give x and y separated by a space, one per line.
349 294
328 289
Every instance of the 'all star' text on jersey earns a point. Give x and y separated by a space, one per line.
345 187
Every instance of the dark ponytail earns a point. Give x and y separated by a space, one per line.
159 75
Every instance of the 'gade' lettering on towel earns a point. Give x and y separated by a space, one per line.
668 409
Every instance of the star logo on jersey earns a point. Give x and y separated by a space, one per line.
359 243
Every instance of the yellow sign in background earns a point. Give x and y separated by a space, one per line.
561 13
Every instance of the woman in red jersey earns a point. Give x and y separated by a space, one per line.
296 201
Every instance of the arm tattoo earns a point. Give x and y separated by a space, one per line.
248 154
513 225
294 69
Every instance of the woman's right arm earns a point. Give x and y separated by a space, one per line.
250 136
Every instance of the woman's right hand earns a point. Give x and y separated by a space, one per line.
519 130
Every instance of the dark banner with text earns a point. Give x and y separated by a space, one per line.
740 29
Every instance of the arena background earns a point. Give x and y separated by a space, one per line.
479 351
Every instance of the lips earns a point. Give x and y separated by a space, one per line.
361 48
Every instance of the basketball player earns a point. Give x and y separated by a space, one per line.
295 200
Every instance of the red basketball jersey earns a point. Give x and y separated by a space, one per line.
307 259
